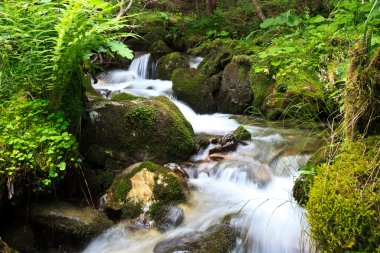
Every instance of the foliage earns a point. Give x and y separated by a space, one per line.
34 144
46 45
344 199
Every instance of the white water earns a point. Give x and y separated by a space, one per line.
253 184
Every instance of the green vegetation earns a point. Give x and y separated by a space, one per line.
35 146
344 200
45 52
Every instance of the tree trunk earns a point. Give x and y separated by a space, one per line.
259 11
197 10
208 7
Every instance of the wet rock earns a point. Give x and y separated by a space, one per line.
171 217
176 169
168 63
96 155
235 94
216 157
216 239
242 134
227 144
141 129
215 62
141 188
301 188
195 89
66 220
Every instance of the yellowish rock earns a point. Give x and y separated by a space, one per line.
142 186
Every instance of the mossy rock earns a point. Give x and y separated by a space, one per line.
301 188
215 62
168 63
123 97
344 200
159 47
216 239
260 84
69 221
151 182
242 134
235 94
195 89
143 129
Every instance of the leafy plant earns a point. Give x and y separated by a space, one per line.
34 144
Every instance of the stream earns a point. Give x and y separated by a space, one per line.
252 184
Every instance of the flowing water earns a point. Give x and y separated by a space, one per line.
252 185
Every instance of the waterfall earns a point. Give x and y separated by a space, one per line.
142 66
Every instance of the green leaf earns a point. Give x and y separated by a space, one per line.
120 48
62 166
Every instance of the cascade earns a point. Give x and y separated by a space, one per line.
253 184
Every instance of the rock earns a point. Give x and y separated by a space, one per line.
138 130
216 157
96 155
68 221
19 236
260 82
216 239
227 144
195 89
235 94
171 217
168 63
215 62
302 187
159 47
144 185
242 134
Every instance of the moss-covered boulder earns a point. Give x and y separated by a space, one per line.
260 82
242 134
195 89
159 47
144 185
139 129
344 200
235 94
301 188
216 239
68 221
215 61
123 97
168 63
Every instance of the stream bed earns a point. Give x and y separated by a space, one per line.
252 186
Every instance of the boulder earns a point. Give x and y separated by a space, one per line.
195 89
19 236
168 63
169 217
227 144
137 130
159 47
260 81
216 239
242 134
215 62
235 94
144 188
68 221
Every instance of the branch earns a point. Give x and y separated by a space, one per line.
259 10
123 9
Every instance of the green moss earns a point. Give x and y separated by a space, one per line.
242 134
344 200
131 209
159 47
170 190
260 84
142 115
123 97
194 88
301 188
215 61
168 63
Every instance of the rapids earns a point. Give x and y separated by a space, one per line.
251 185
